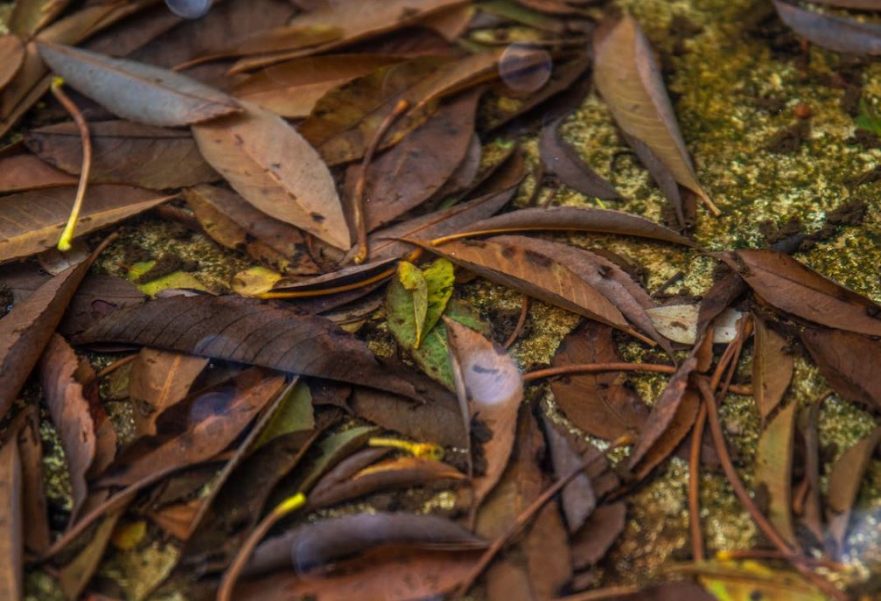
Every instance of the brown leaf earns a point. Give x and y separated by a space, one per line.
70 414
35 513
135 91
774 469
27 328
600 404
856 4
414 170
266 161
234 223
252 332
393 575
75 575
845 479
438 420
158 380
848 361
578 219
292 89
494 391
11 57
629 79
11 525
840 34
214 420
578 497
28 172
125 153
30 16
559 157
32 221
321 543
790 286
598 534
772 368
340 23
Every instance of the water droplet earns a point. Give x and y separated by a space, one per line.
189 9
524 68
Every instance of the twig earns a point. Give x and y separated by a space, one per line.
521 321
361 184
601 594
694 489
69 229
112 367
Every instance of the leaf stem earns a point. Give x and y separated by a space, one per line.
69 229
521 321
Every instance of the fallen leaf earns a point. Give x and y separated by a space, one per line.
158 380
600 404
848 362
124 153
560 158
266 161
70 414
135 91
22 172
629 79
292 89
578 498
774 470
599 533
790 286
836 33
37 536
579 219
415 290
679 323
11 525
30 16
414 170
329 540
772 368
32 221
74 577
294 414
11 57
733 580
416 299
494 392
215 418
845 479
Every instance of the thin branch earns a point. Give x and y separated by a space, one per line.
601 594
521 321
694 490
112 367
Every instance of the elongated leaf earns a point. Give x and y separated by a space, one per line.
266 161
772 368
829 31
37 536
774 469
215 419
845 479
578 497
30 16
135 91
246 331
28 172
848 361
857 4
599 533
158 380
790 286
494 392
629 79
320 543
560 158
32 221
125 153
11 525
11 57
580 219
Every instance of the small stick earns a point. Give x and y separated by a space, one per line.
694 489
360 185
601 594
521 321
112 367
70 107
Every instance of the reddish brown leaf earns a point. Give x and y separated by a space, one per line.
848 361
125 153
790 286
598 534
28 172
30 16
215 419
11 525
559 157
11 57
600 404
75 576
32 221
578 498
774 469
275 169
772 368
491 383
845 479
158 380
840 34
35 514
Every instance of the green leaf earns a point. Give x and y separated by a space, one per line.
416 299
294 414
174 280
868 119
413 281
439 278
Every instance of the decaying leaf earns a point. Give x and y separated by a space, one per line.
559 157
845 479
28 172
848 361
37 536
629 79
11 57
136 91
598 534
772 368
774 469
836 33
266 161
11 525
578 497
679 323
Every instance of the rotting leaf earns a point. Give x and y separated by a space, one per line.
578 498
836 33
135 91
494 391
125 153
158 380
848 361
32 221
845 479
591 543
629 79
294 414
26 425
772 368
792 287
275 169
11 525
11 57
559 157
416 300
600 404
774 469
23 172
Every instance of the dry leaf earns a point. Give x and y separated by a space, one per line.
848 361
578 498
27 172
774 470
845 478
11 57
772 368
836 33
11 525
559 157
